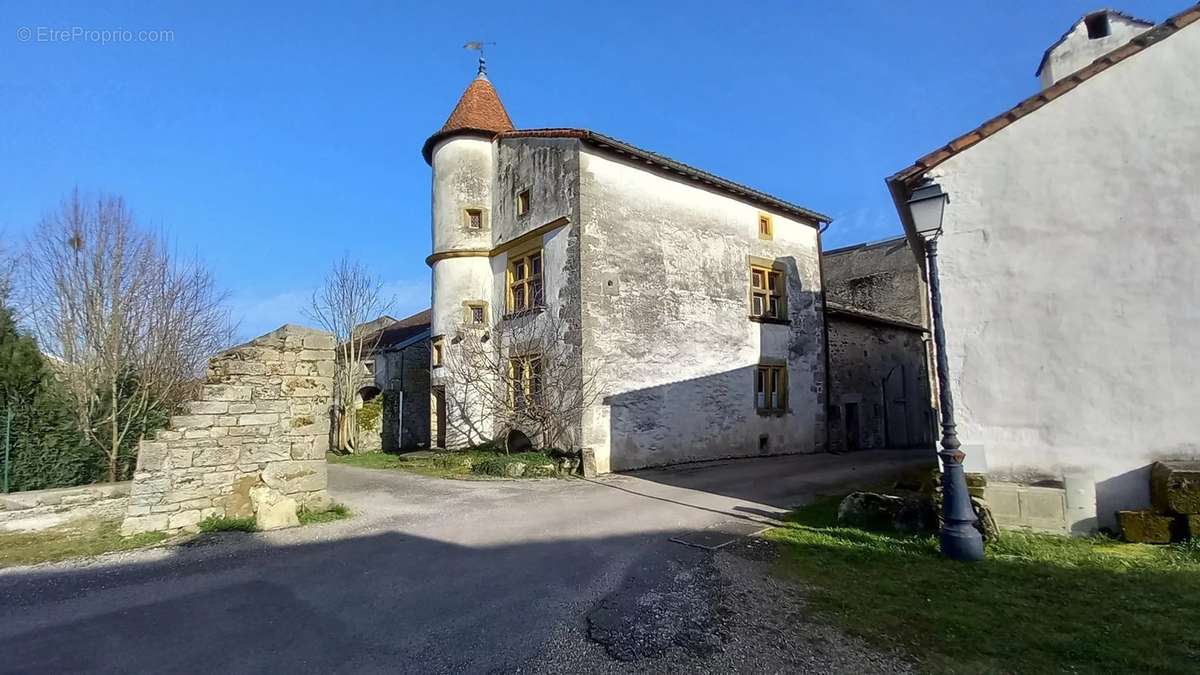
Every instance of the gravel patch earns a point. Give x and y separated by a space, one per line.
710 612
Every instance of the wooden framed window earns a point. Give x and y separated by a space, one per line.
766 227
523 202
525 281
437 351
524 381
474 219
768 299
770 388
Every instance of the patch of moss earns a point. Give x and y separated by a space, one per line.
71 540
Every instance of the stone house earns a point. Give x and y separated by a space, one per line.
879 365
1068 271
696 300
398 370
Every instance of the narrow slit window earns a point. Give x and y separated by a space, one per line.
437 352
523 202
766 228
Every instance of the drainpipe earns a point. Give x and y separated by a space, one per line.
825 332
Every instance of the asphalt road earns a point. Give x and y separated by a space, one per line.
430 576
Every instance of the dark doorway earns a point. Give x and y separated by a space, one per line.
852 440
439 412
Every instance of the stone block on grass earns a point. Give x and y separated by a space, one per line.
869 510
1175 487
1145 527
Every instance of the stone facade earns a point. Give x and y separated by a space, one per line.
879 365
879 384
261 421
647 277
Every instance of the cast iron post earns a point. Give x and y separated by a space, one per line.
959 538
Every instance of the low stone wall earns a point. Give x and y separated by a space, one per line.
253 444
41 509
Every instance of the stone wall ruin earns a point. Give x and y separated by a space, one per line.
252 444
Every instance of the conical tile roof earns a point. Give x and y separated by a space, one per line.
478 112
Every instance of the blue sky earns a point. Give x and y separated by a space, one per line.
270 137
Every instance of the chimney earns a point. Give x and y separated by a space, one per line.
1092 36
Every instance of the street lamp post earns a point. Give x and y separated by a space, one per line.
959 538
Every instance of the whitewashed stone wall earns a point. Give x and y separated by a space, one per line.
42 509
1069 280
262 420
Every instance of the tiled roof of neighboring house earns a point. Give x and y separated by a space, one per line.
874 317
479 112
1147 39
1085 17
404 329
897 240
397 333
877 279
671 166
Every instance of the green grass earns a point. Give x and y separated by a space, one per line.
71 540
466 464
1037 603
334 512
223 524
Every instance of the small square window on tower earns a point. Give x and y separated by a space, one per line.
523 202
766 229
476 313
474 219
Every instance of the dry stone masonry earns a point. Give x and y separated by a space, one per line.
252 444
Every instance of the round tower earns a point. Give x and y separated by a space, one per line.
463 163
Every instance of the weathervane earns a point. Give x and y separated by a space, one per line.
482 61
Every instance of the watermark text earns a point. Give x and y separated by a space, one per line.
100 36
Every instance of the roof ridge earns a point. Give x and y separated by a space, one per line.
674 166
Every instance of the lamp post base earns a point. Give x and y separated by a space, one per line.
959 538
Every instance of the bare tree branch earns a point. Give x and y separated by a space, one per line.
132 327
519 373
349 298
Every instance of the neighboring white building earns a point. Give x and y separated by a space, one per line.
1070 277
697 300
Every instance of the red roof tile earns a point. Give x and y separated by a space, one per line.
478 112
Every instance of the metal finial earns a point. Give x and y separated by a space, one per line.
482 61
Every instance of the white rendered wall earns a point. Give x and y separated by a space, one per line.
1071 284
665 288
462 179
1078 50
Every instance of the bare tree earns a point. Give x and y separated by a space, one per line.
349 298
131 326
519 373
